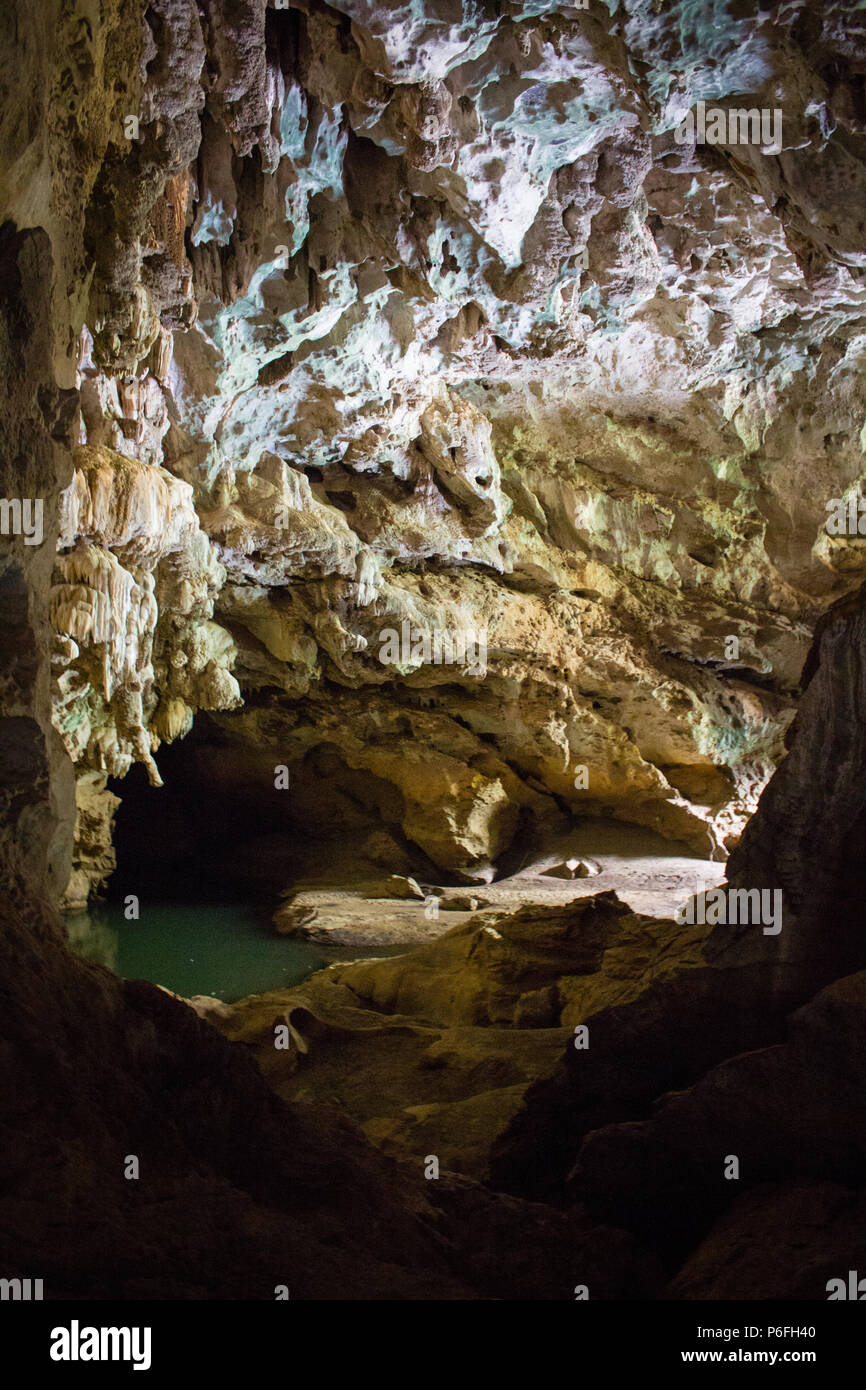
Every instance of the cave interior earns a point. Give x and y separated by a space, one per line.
433 669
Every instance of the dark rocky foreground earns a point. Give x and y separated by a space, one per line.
238 1192
685 1075
615 1162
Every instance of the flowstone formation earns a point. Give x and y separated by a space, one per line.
436 326
130 547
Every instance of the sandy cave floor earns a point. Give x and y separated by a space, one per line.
652 875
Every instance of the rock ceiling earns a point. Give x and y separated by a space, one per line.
424 314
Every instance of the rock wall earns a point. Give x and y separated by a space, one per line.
617 1066
66 89
814 857
444 328
238 1192
136 650
748 1048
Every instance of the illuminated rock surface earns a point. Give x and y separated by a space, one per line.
443 327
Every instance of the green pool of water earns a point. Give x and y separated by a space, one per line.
223 949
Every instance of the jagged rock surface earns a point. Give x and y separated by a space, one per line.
443 327
808 839
136 650
433 1051
705 1065
238 1193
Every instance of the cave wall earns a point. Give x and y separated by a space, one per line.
750 1045
429 318
238 1192
62 97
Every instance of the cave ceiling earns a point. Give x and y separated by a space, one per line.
430 318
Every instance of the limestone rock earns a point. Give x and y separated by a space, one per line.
401 314
682 1025
293 919
243 1186
458 902
792 1239
434 1050
811 851
789 1111
445 328
572 868
394 886
130 549
93 854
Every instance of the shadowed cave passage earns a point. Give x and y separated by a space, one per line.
321 857
250 838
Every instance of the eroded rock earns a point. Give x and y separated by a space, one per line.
434 1050
444 328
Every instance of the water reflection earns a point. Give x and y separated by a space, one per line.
93 938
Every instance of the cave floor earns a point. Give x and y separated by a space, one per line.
652 875
430 1040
